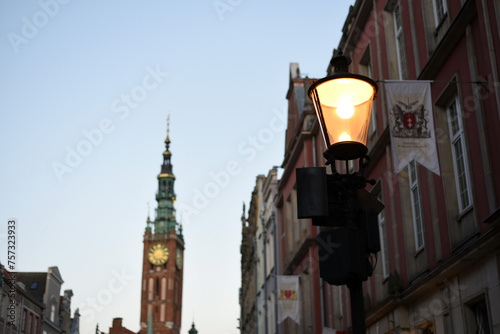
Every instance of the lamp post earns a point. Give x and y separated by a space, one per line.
343 104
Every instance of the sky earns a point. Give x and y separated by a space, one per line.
85 91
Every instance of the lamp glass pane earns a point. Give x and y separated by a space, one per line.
346 109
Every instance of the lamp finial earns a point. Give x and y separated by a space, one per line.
340 62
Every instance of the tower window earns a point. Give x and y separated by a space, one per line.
157 287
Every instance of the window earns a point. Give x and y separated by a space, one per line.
458 151
150 288
373 120
52 312
481 316
35 325
439 11
400 45
341 306
447 323
28 322
415 206
23 320
365 68
163 188
384 244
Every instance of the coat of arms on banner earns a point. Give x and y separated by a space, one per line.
411 119
287 295
409 105
289 298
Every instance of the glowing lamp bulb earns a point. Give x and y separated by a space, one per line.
344 137
345 109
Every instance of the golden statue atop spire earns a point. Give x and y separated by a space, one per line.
167 141
168 126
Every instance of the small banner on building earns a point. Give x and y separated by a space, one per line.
327 330
288 298
411 124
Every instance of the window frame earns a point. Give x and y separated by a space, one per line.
384 241
438 19
459 136
481 317
373 120
53 312
416 208
400 46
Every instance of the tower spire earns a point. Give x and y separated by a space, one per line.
165 215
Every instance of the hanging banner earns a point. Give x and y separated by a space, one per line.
411 124
288 298
327 330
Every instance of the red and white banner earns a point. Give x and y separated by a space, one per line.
411 124
288 298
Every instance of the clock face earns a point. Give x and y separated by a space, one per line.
158 254
178 259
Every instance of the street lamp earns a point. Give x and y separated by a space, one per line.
343 104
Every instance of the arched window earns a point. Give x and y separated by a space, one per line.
52 312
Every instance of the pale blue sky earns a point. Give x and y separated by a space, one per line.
68 68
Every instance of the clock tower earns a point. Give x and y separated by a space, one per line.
161 287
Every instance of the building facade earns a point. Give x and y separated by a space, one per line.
20 311
438 267
296 240
438 270
270 251
248 250
38 306
163 259
259 254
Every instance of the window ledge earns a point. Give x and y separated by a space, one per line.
418 251
440 24
464 213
